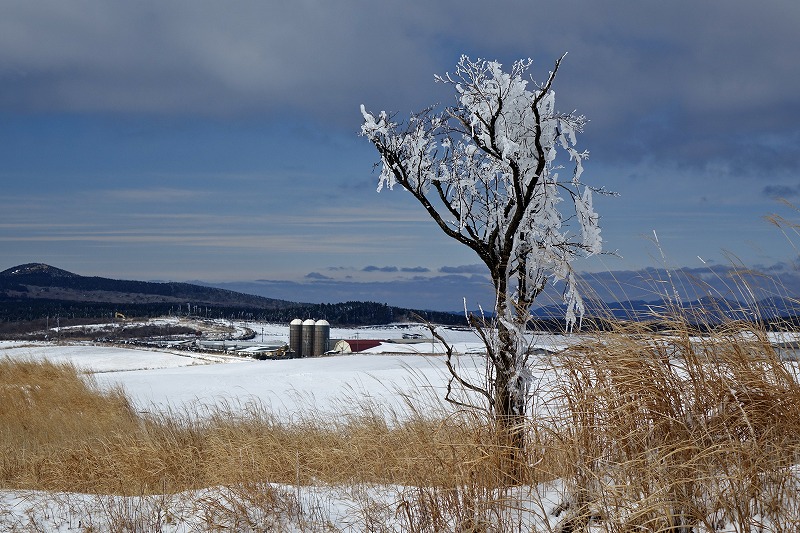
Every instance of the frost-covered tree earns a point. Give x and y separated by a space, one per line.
487 171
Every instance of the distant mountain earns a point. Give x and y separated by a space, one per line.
32 270
707 310
36 290
40 281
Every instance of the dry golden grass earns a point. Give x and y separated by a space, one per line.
660 432
47 410
59 432
649 432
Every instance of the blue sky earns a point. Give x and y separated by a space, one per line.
217 141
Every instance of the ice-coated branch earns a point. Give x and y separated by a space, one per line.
486 170
492 160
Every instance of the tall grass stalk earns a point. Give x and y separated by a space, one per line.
669 431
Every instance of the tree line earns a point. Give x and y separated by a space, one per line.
338 314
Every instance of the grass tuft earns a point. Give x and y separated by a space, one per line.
643 430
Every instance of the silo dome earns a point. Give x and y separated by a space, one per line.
296 337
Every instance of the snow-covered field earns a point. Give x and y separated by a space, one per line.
181 380
187 382
99 359
318 509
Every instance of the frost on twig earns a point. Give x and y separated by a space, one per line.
486 170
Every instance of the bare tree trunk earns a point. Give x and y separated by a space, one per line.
509 410
505 392
509 421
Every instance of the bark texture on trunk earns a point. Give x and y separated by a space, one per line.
509 408
510 433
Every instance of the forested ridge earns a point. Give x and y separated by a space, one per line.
36 291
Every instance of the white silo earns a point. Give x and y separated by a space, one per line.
308 338
322 333
296 337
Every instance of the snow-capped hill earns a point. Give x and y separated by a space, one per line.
40 281
36 269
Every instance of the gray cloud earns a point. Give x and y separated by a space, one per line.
650 76
181 56
464 269
686 101
373 268
316 276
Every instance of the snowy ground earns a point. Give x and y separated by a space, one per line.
99 359
180 380
305 509
184 382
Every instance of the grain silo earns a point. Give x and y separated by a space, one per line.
322 333
308 338
296 337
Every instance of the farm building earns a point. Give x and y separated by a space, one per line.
354 345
